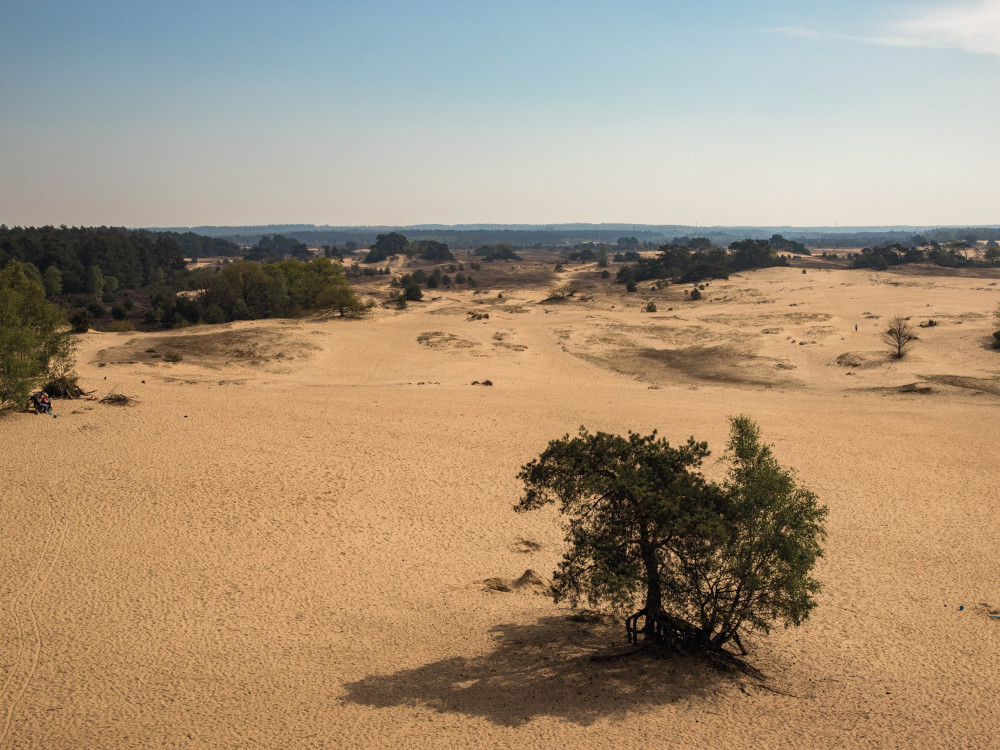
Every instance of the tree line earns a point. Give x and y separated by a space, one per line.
949 255
698 259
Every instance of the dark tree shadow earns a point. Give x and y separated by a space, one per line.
543 669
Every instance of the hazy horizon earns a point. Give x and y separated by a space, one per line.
386 114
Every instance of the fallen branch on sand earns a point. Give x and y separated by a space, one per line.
118 399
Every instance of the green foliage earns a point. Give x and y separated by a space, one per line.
34 339
684 561
386 246
52 281
81 321
782 245
431 250
748 254
272 248
696 293
499 251
245 290
678 263
172 356
650 307
95 281
411 291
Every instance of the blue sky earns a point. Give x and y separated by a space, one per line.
719 112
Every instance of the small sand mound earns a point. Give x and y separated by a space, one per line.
442 340
531 582
859 359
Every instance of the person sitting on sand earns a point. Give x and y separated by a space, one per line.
42 402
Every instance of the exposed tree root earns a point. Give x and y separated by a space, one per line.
664 635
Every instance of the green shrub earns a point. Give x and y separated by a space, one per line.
81 321
34 339
650 307
118 312
96 309
695 294
605 274
172 356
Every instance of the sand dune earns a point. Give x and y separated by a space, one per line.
283 542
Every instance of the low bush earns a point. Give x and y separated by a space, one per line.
172 356
63 386
81 321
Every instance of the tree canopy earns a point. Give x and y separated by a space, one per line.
273 248
386 245
34 337
246 289
686 563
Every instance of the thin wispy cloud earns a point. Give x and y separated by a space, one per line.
970 27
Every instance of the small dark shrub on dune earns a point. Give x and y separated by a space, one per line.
81 321
63 386
173 357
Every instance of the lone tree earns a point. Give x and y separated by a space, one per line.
899 335
688 564
34 339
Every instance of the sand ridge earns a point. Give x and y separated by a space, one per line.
291 552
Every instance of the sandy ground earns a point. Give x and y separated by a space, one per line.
282 543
